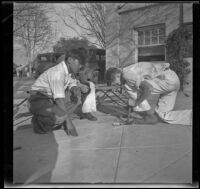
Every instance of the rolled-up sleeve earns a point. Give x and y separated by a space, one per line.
72 83
57 82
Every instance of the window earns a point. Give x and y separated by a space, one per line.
151 35
151 41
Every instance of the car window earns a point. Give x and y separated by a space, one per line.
43 58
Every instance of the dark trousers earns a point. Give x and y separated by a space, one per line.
45 112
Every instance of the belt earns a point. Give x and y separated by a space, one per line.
33 93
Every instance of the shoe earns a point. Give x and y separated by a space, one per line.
88 116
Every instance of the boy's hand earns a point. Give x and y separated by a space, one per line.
84 88
75 91
76 95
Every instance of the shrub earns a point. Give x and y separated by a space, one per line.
177 47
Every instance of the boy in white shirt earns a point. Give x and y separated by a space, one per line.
47 99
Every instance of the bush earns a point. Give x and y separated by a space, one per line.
177 47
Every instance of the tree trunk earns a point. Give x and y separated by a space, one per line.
30 68
29 63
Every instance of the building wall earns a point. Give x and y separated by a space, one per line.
125 48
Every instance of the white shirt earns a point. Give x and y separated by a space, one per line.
169 83
55 81
136 73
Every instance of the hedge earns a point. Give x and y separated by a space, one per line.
176 47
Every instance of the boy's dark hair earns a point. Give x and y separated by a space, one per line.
83 50
110 75
75 53
85 53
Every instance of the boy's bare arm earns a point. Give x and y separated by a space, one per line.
145 89
61 104
69 126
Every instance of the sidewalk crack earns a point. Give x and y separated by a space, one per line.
116 171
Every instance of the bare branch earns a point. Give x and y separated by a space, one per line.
32 29
88 18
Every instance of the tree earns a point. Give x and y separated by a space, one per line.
177 44
32 29
88 21
64 45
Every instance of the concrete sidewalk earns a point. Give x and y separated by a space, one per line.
103 153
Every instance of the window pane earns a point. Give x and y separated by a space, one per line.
43 58
154 32
147 40
161 31
140 38
161 39
154 40
147 33
147 37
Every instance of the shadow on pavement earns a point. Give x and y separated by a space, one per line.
113 110
35 157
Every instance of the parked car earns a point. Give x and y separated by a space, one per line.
94 57
45 61
98 62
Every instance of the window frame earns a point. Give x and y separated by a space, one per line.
150 28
